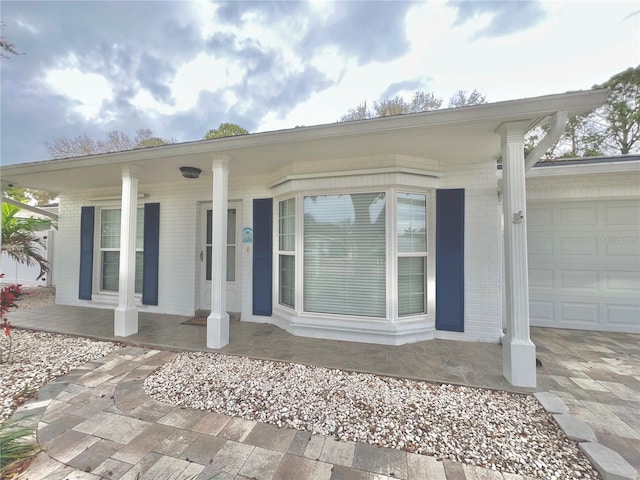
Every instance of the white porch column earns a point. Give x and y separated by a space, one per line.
126 314
518 352
218 319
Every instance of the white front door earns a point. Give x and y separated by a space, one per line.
234 244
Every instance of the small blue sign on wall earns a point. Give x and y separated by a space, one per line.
247 235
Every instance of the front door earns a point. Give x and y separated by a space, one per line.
234 228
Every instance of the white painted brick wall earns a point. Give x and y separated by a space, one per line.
180 236
179 242
592 186
483 277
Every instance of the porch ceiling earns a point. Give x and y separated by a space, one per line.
444 135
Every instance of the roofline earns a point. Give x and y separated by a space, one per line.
558 162
533 108
587 166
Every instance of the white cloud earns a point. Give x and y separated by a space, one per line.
89 91
204 73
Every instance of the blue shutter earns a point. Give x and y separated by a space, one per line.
262 256
87 225
450 260
151 254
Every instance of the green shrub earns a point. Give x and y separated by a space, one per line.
16 445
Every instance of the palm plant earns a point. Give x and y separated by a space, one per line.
20 240
16 445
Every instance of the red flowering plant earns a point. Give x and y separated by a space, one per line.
8 296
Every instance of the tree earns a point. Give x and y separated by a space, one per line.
20 240
115 141
421 102
462 99
225 130
25 195
614 128
6 47
391 106
151 142
424 102
621 111
582 137
361 112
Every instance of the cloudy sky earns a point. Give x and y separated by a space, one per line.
181 68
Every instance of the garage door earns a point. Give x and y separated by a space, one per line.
584 265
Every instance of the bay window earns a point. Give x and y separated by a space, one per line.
354 254
411 232
345 254
286 255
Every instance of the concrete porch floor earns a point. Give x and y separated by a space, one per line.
597 374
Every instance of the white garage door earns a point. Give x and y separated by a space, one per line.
584 265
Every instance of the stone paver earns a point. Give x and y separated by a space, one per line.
231 457
385 461
574 428
608 463
293 466
100 409
338 453
551 403
261 464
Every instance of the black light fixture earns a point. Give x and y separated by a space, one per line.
190 172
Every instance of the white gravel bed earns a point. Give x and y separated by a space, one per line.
39 357
36 297
499 430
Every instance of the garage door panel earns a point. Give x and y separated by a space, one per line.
540 216
628 245
580 214
584 265
626 316
541 278
540 246
622 282
583 312
541 312
582 280
621 214
586 247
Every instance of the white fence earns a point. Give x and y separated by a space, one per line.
15 272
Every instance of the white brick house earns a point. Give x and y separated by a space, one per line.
385 230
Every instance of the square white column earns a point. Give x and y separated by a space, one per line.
126 314
218 319
518 352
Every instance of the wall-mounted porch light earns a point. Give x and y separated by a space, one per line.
190 172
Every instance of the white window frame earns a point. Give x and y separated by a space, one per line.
413 254
391 254
98 249
288 253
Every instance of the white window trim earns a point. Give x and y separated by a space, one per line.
298 314
292 253
97 291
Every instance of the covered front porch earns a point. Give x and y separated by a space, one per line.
447 361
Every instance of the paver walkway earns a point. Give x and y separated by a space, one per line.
97 422
596 373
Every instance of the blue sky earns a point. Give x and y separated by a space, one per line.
181 68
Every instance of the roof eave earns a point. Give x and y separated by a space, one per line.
574 103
